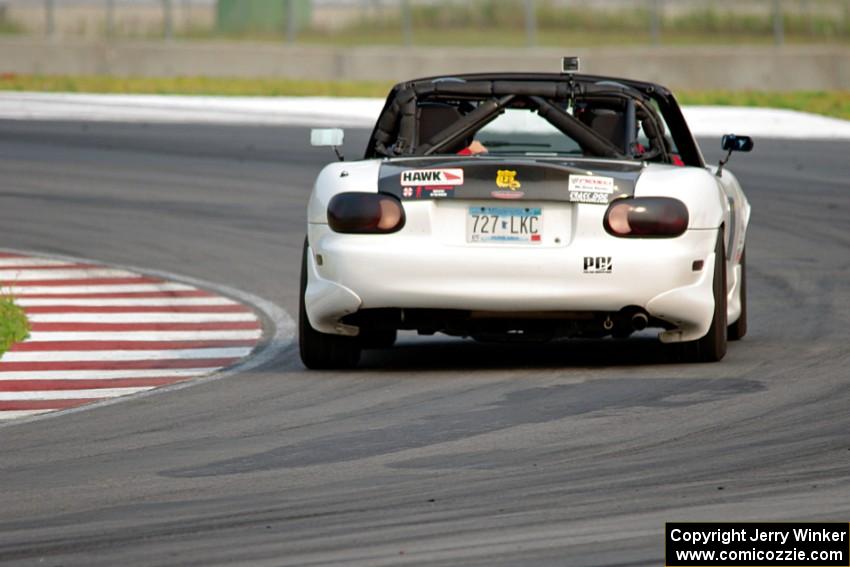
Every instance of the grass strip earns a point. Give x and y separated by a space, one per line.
827 103
211 86
14 326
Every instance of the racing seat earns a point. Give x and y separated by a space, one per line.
434 117
609 124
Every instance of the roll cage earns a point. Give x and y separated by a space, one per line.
441 114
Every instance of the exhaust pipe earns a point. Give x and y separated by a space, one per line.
639 321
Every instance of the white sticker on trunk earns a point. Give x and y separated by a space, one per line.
431 177
591 184
588 197
590 189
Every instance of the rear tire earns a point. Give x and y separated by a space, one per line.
712 347
321 351
738 329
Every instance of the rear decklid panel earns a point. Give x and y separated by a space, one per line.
440 194
485 178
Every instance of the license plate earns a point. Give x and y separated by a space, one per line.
516 225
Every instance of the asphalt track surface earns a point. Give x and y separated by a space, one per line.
441 451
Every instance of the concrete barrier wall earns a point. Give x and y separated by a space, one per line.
762 68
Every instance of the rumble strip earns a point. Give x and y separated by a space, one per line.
99 332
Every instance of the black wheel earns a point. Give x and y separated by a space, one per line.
738 329
321 351
712 347
377 338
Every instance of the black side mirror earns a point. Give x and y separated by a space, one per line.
733 143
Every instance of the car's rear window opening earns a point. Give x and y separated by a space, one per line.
555 117
523 131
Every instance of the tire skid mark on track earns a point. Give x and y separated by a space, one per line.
100 332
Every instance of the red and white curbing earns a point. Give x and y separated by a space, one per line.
99 332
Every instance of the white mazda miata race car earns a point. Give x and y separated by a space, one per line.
524 207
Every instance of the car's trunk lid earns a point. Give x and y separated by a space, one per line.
488 178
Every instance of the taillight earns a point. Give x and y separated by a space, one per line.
646 217
365 213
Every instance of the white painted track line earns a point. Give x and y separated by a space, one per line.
146 336
118 302
360 113
10 277
21 291
140 317
296 111
17 262
106 374
765 123
70 394
69 356
17 414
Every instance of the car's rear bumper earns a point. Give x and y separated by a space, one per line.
420 272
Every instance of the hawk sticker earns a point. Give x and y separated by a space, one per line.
432 177
430 183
